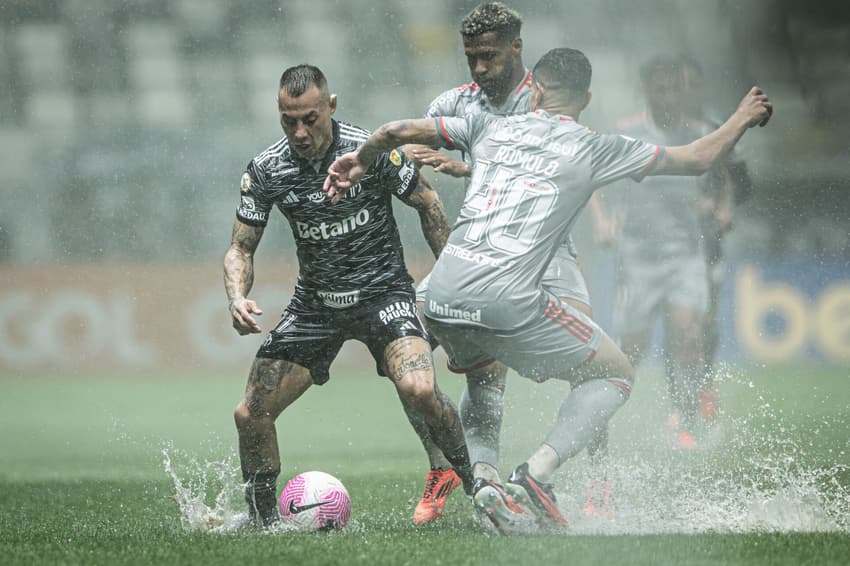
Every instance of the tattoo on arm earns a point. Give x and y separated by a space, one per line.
239 260
432 215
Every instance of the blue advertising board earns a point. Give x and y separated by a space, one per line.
770 311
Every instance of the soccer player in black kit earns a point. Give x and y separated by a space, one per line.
352 283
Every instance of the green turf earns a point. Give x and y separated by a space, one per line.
82 480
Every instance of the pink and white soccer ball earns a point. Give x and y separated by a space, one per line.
315 501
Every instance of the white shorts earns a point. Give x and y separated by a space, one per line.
646 288
560 339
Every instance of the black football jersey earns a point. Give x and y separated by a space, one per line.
347 252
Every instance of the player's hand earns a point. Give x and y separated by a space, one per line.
343 174
756 107
411 150
241 311
441 162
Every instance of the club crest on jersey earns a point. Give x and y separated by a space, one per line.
395 157
245 182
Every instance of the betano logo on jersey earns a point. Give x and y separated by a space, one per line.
327 230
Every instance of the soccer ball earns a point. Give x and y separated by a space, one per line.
315 501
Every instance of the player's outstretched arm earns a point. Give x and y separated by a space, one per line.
698 157
348 169
239 277
432 215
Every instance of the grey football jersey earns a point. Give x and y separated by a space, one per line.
470 99
532 175
661 217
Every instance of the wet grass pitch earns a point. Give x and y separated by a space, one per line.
83 479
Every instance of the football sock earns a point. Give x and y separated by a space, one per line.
597 448
485 471
481 415
687 380
543 463
261 496
584 414
446 431
435 456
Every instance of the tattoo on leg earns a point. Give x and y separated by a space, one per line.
265 380
418 362
398 355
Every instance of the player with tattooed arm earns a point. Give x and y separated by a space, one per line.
352 282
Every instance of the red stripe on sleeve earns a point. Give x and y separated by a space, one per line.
441 129
652 162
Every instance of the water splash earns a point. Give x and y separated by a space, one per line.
763 472
208 497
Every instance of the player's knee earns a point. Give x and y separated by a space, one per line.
419 394
242 415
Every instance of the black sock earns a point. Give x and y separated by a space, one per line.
261 496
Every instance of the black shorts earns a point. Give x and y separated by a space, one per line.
312 336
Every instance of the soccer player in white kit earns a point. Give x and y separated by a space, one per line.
661 248
532 176
501 85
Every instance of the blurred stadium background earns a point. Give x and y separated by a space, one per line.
125 126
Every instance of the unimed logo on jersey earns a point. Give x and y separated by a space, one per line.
449 312
327 230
